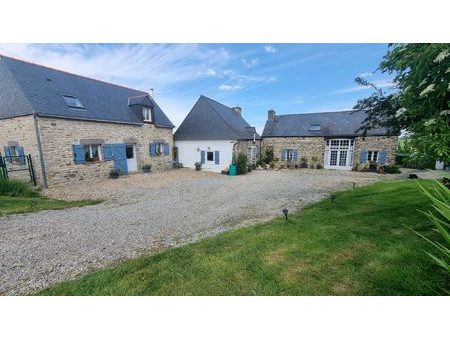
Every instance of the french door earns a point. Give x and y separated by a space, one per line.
339 154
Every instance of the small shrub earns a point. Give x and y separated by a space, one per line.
114 174
198 166
269 156
16 188
319 166
272 164
249 168
241 164
390 169
261 163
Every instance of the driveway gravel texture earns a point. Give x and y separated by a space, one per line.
146 213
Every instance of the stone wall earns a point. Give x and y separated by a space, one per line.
21 130
307 147
243 145
377 143
58 136
315 146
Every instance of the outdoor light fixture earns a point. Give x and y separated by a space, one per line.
333 197
285 212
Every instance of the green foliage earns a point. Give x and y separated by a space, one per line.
261 163
17 205
241 164
268 155
419 102
16 188
354 246
391 169
440 217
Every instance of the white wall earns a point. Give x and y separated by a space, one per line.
189 153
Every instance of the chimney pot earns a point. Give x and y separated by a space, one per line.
238 110
271 115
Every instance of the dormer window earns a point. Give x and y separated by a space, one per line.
73 102
147 114
314 127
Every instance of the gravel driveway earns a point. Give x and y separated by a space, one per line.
145 213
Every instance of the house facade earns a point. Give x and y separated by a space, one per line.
212 134
77 128
329 139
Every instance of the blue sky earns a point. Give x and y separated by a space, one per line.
290 78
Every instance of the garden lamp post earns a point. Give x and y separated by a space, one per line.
285 213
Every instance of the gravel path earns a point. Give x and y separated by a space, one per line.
146 213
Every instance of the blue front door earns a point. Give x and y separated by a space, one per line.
120 157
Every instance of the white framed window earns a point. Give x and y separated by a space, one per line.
147 114
372 156
251 154
289 154
92 152
159 149
210 156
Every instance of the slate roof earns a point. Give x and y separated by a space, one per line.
342 123
27 88
211 120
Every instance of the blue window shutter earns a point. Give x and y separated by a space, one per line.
363 156
152 149
107 152
78 153
7 153
383 156
202 157
295 155
21 154
283 154
216 157
166 148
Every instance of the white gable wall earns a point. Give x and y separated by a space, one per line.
189 153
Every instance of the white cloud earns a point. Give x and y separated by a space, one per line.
367 74
230 87
270 49
378 84
140 66
210 72
249 63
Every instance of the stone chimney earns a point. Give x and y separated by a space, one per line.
237 110
271 115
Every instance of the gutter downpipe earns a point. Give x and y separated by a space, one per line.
39 144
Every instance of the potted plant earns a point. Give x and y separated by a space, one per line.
303 162
198 166
146 168
114 174
373 167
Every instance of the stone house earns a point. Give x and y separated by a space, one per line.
78 128
329 139
212 134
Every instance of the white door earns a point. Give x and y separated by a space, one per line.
131 157
339 154
251 154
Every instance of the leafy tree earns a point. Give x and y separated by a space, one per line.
418 103
241 164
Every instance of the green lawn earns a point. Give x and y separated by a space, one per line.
16 205
358 245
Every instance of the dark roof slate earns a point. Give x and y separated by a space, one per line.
211 120
27 88
343 123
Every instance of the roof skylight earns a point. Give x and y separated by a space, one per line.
314 127
73 102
